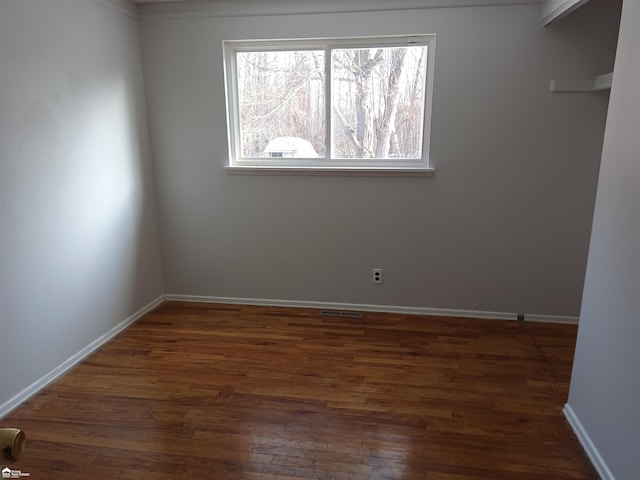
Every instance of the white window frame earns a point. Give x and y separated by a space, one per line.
266 165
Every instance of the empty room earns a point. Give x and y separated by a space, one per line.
357 239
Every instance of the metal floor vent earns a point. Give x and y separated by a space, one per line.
339 313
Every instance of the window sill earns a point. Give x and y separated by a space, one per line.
332 171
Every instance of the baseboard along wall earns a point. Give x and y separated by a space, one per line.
72 361
587 444
372 308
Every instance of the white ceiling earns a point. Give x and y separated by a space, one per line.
156 1
426 2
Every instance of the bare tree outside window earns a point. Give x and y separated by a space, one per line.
376 105
281 94
377 101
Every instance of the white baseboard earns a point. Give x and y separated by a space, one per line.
72 361
552 319
589 447
371 308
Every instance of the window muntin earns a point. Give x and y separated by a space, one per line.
378 91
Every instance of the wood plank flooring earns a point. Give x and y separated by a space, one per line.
205 391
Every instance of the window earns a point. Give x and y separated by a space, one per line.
330 104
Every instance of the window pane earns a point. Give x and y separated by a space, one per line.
377 102
281 103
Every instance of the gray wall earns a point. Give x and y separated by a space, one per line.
605 386
503 224
79 250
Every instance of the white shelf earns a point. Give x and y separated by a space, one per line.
603 82
597 84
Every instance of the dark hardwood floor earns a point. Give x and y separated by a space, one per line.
204 391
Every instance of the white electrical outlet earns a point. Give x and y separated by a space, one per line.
376 275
